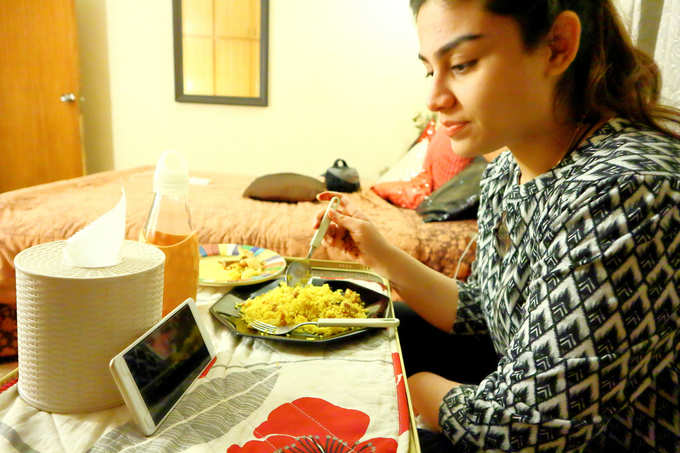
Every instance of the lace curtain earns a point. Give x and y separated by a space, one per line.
667 52
655 28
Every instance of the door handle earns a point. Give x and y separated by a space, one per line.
68 97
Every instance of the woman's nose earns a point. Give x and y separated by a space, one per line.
441 96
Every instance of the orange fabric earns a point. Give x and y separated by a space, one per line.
406 194
441 162
428 131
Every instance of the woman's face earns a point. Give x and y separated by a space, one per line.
489 90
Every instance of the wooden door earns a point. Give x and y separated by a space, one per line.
39 131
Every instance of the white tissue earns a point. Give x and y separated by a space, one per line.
99 243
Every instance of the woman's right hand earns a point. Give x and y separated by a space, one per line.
433 295
352 233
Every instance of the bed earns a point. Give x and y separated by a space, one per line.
220 214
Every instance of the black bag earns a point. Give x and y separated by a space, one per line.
456 199
342 178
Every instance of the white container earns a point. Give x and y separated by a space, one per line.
71 321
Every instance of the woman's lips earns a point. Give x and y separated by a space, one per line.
452 128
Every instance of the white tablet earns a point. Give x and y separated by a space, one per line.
155 371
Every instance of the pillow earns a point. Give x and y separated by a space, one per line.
408 166
406 183
441 162
284 187
456 199
439 166
406 194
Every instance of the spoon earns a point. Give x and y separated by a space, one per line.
300 271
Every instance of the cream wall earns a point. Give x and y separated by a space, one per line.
95 94
344 81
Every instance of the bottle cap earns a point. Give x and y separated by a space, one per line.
172 174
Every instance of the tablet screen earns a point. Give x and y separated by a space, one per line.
166 362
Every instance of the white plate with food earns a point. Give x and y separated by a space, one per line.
237 265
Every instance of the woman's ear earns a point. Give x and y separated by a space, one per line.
564 40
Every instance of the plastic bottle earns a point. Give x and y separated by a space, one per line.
168 227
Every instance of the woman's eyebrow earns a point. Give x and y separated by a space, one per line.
449 46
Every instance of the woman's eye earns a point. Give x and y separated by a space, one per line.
429 74
463 67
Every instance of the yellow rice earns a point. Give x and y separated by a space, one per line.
287 305
248 266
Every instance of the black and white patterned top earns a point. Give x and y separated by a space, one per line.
577 280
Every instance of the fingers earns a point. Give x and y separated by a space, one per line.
347 222
345 205
327 195
343 201
332 215
339 238
345 230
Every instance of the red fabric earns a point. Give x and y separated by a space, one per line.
441 162
307 416
299 424
402 402
428 131
8 384
205 372
406 194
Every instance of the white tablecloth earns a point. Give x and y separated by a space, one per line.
259 396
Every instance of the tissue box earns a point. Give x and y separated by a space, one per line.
72 321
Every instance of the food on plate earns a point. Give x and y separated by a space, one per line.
247 266
287 305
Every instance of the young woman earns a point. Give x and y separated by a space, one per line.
577 271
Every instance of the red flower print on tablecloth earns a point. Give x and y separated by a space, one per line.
313 425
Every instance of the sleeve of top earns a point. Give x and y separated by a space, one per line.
469 316
600 322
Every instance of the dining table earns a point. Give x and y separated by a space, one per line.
260 395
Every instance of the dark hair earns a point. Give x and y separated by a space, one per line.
608 75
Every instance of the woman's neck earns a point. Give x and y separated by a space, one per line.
542 151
